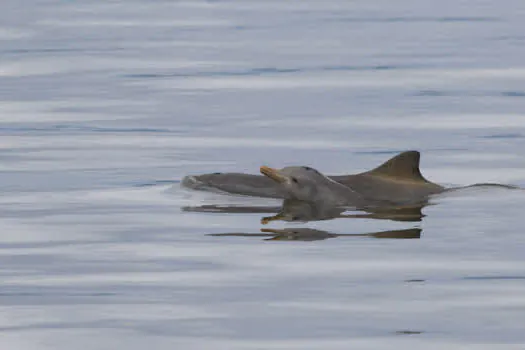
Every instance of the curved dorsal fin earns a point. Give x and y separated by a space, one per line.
404 166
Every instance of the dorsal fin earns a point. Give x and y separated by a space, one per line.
404 166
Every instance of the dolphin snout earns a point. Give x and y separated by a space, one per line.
273 174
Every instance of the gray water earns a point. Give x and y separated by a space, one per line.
105 106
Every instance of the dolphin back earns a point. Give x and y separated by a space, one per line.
235 183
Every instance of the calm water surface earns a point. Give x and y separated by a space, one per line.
105 106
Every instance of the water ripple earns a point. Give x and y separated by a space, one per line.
274 70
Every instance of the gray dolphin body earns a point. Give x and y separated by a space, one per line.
397 181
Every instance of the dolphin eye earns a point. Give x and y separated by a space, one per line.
295 180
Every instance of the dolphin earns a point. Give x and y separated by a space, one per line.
398 180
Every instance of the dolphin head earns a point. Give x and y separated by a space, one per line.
301 182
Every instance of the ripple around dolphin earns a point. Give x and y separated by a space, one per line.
157 183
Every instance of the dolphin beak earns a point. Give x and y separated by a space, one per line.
278 234
267 219
273 174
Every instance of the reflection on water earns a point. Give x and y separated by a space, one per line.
293 210
300 211
308 234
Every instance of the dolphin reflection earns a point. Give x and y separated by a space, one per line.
299 211
308 234
293 210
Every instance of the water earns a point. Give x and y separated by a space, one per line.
105 106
